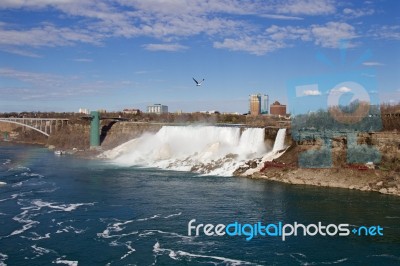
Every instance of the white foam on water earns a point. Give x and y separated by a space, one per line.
301 258
39 204
149 218
178 255
203 149
50 190
13 196
113 228
36 236
31 174
23 218
19 168
130 250
169 234
173 215
392 217
40 251
18 184
3 258
70 228
389 256
62 260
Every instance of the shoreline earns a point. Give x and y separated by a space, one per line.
369 180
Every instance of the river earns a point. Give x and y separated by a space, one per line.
72 211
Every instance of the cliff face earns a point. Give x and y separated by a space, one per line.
111 133
73 135
386 145
17 133
77 134
385 178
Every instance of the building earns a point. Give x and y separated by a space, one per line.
278 109
84 111
157 109
258 104
131 111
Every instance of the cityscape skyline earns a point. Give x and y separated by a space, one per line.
130 54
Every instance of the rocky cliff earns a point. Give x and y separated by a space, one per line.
382 176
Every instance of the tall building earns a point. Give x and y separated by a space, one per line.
258 104
157 109
278 109
84 111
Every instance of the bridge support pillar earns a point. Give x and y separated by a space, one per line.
5 135
95 130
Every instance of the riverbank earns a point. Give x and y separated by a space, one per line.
364 180
382 177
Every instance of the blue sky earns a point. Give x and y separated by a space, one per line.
114 54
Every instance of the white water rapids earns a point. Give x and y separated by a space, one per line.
203 149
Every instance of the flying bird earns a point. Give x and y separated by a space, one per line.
198 83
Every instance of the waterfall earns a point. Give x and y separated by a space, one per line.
203 149
280 140
277 151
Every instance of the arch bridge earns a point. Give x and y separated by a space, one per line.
45 126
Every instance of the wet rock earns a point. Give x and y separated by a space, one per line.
383 190
231 156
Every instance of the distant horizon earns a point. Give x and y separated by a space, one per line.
62 56
183 111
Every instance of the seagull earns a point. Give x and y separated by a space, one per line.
198 83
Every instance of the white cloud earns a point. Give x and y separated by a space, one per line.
332 33
329 35
33 3
312 92
280 17
227 24
288 33
307 7
356 13
340 90
168 47
46 86
18 51
372 64
46 35
31 77
307 90
388 32
258 45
